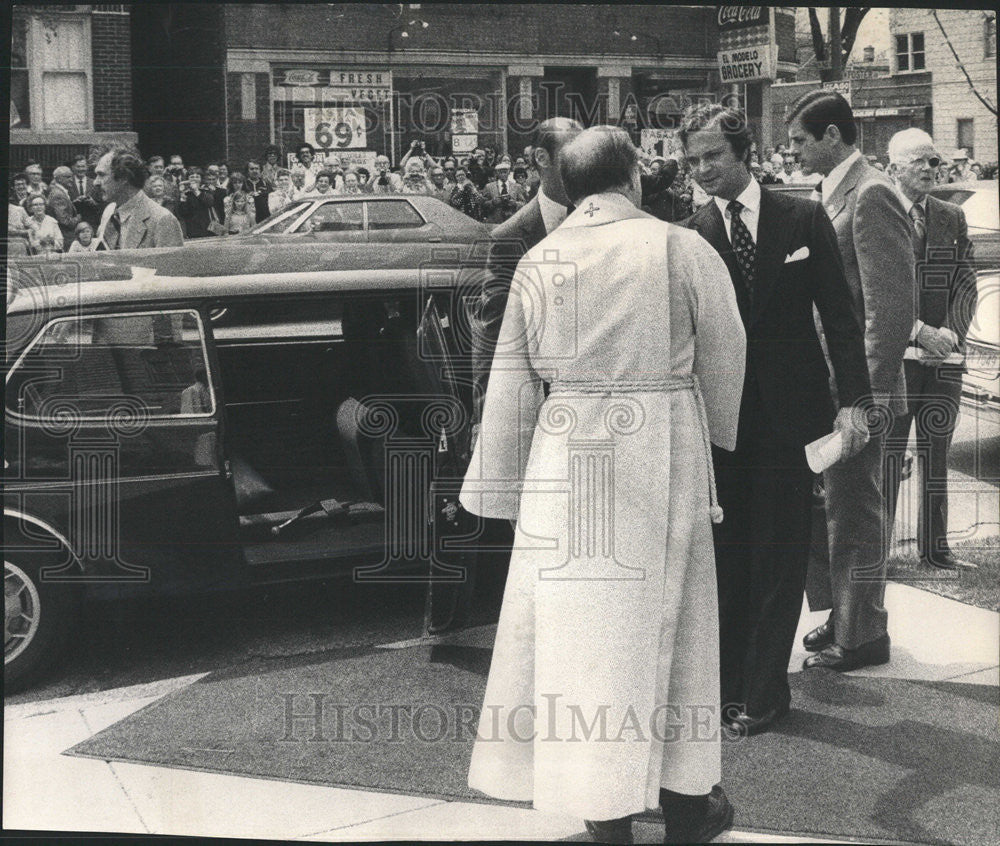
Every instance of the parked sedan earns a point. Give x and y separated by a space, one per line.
981 204
347 219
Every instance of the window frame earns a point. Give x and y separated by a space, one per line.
959 144
392 199
36 73
990 35
910 52
100 418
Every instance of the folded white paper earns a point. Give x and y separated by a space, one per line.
824 452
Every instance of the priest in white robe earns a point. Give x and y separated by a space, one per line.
603 694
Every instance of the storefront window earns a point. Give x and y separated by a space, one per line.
20 105
426 98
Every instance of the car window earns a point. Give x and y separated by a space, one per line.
335 217
393 214
282 219
292 319
130 366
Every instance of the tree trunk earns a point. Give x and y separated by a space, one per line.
836 46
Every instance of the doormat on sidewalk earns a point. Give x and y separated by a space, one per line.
868 758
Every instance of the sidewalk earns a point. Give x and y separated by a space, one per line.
934 639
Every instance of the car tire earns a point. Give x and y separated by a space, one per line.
38 619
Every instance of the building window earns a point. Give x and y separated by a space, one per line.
20 101
965 135
51 70
991 34
910 52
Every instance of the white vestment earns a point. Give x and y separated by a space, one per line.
604 684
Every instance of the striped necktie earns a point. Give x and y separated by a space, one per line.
919 237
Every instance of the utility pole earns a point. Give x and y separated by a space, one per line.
836 45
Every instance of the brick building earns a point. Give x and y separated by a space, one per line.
71 81
359 79
920 46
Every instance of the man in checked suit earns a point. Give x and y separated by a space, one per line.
873 233
946 291
131 219
783 258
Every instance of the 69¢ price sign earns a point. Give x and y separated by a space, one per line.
336 128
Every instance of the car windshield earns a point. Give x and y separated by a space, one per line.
283 218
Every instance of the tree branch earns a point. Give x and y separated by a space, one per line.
819 43
968 78
849 29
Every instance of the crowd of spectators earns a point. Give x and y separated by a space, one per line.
222 199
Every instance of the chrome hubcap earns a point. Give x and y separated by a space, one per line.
21 610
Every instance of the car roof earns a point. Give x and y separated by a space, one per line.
149 276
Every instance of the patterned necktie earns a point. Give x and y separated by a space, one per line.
743 246
503 187
113 232
919 231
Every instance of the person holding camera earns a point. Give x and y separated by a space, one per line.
465 197
382 181
501 198
417 151
196 205
415 178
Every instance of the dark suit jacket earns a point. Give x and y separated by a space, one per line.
785 361
510 241
88 204
949 255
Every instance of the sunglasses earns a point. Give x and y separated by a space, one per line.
933 161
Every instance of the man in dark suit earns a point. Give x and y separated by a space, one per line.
81 192
873 234
942 252
782 256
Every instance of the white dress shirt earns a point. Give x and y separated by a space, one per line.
553 213
836 176
749 214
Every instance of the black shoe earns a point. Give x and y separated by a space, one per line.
747 726
946 561
717 819
837 658
610 831
819 638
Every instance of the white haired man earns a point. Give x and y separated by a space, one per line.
934 360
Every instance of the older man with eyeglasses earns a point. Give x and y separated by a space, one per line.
935 358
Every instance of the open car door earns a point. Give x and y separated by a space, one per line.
452 565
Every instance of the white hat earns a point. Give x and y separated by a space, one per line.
959 156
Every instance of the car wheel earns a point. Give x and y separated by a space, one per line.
38 618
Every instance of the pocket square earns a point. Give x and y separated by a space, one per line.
798 255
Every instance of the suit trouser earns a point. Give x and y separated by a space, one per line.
761 552
852 581
932 395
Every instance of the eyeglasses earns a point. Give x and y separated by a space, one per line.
929 161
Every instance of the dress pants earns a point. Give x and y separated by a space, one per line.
850 579
761 553
933 395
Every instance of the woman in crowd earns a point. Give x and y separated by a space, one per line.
352 183
283 194
239 213
19 190
465 197
17 226
44 234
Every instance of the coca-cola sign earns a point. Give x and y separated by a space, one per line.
742 17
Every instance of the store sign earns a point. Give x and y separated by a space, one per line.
842 87
747 64
741 17
748 51
332 85
659 142
464 130
336 127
